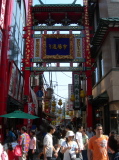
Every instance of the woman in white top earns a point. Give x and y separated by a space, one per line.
32 145
69 147
61 140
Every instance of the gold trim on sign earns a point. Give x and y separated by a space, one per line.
70 56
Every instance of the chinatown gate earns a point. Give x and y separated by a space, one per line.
59 48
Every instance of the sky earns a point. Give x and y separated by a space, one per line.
56 1
60 80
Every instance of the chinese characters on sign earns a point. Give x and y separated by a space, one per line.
37 47
57 46
76 79
87 39
60 46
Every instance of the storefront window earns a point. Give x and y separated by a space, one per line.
114 120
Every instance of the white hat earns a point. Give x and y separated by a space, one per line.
69 133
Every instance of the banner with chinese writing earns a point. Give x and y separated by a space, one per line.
58 46
37 48
76 82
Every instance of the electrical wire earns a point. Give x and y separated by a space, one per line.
66 75
59 96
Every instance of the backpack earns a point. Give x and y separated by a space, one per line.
4 155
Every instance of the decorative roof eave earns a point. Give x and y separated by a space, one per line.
104 25
58 8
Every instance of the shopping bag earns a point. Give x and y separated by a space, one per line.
18 150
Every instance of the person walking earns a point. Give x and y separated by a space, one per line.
85 144
32 145
69 147
97 146
48 147
113 143
89 132
79 140
24 141
61 140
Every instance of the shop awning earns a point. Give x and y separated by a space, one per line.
101 99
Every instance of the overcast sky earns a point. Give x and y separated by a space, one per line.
60 80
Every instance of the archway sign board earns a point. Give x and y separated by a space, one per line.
58 46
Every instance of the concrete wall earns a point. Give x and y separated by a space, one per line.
110 80
108 8
110 84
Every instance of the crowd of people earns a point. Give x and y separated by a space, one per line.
61 144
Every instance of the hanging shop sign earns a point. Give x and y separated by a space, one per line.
70 92
58 46
76 82
39 93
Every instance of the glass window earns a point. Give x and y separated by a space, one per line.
117 51
100 65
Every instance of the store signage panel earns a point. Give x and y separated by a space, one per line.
58 46
70 92
78 47
37 48
76 81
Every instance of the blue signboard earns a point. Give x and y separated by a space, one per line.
39 93
60 46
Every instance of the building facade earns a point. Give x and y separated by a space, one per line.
105 52
13 17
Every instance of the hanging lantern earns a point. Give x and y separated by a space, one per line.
60 111
60 102
71 113
49 93
67 112
72 98
53 109
82 94
46 105
53 103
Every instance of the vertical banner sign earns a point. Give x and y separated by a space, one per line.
37 48
2 15
70 92
87 55
87 32
76 80
28 54
78 47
